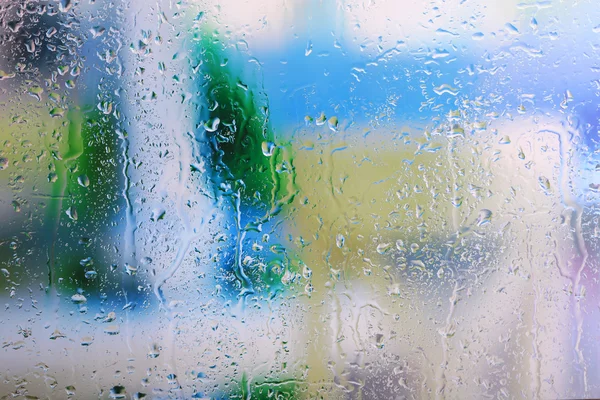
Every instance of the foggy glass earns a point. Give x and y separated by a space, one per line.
289 199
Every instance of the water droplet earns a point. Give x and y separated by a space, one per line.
105 107
309 288
157 214
118 392
212 125
340 240
400 245
56 335
268 148
3 163
333 123
379 341
30 46
65 5
533 24
154 351
36 92
511 29
130 269
112 330
91 274
309 48
57 112
457 201
544 184
97 31
445 88
6 75
485 217
72 213
78 298
83 180
383 248
504 140
321 119
87 262
306 272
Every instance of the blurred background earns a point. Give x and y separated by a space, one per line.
298 199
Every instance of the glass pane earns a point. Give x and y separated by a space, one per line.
287 199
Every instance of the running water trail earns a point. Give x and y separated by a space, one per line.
188 236
129 253
535 366
75 149
570 203
441 379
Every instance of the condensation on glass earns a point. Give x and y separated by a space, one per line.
287 199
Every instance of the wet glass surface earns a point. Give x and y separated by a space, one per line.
288 199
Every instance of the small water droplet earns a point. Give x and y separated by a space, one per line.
544 184
504 140
87 262
333 123
511 29
112 330
36 91
130 269
309 48
78 298
485 217
321 119
445 88
72 213
340 240
91 274
57 112
65 5
306 272
383 248
118 392
83 180
157 214
212 125
154 351
457 201
268 148
70 390
97 31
